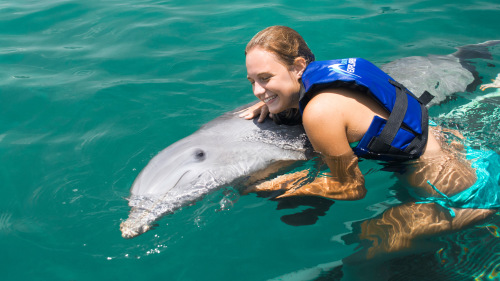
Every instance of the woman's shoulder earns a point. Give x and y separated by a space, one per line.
345 103
333 101
329 106
325 120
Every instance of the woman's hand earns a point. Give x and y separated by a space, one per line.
259 109
495 84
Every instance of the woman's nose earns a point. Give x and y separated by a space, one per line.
258 89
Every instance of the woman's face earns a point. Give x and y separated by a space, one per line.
273 82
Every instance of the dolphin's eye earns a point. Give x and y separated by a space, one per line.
199 155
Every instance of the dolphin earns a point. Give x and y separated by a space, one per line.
228 151
231 151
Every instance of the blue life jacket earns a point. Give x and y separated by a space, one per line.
403 135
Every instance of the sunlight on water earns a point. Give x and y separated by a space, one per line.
5 222
478 118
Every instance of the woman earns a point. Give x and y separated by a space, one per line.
346 106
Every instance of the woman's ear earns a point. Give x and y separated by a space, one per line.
299 65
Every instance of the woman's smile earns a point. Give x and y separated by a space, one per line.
270 99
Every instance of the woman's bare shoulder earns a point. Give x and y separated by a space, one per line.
330 102
325 124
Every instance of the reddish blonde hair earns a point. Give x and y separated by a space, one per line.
284 42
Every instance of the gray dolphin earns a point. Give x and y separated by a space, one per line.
230 151
224 152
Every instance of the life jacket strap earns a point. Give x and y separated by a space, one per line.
425 98
382 143
418 144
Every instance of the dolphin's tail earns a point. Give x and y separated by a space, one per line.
474 51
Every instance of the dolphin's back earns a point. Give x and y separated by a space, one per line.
442 76
231 126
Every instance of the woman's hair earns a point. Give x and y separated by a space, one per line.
284 42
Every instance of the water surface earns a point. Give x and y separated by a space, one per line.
92 90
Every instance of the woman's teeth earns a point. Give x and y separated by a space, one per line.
269 98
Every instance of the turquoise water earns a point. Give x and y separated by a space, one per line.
92 90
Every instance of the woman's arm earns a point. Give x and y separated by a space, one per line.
325 123
325 120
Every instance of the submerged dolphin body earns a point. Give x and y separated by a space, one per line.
229 150
440 75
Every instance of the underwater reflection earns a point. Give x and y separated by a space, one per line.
439 195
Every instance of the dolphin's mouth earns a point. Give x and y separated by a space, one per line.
145 211
129 231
